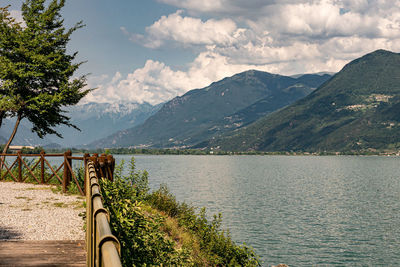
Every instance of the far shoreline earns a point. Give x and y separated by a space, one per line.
217 152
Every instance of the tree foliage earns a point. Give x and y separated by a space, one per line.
36 72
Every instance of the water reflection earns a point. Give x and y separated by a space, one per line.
296 210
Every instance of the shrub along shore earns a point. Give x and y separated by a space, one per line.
155 229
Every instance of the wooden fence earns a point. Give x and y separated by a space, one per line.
104 166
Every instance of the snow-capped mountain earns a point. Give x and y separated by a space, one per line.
96 120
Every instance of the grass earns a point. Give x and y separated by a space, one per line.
26 198
78 204
37 188
60 205
75 205
181 236
56 189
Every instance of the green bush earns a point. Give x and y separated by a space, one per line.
142 241
141 230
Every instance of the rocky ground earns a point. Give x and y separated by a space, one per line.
39 212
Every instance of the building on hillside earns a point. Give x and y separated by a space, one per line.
19 148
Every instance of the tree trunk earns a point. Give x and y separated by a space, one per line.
2 113
10 140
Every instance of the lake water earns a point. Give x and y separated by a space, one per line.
298 210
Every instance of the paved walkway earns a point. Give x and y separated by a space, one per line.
42 253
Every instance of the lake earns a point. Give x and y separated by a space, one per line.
298 210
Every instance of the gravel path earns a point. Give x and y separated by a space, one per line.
35 212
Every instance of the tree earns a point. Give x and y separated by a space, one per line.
36 72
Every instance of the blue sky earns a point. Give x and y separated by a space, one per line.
153 50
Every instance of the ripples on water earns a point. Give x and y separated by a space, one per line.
298 210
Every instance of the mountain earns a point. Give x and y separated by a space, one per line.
99 120
221 107
24 135
318 73
357 109
95 120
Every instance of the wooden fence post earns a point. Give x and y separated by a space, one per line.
19 166
102 165
95 157
42 180
85 161
67 172
110 167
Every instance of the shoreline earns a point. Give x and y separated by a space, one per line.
228 153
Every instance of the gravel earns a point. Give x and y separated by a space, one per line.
35 212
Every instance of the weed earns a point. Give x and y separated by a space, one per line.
60 205
26 198
26 209
36 188
56 189
78 205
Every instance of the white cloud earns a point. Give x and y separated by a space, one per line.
278 36
326 19
305 18
152 84
186 31
156 82
254 7
279 27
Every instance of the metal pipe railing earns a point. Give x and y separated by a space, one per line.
103 248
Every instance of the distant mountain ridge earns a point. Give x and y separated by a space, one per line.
357 109
96 120
221 107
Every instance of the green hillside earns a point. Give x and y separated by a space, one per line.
358 109
219 108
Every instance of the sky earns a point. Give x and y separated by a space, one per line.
153 50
